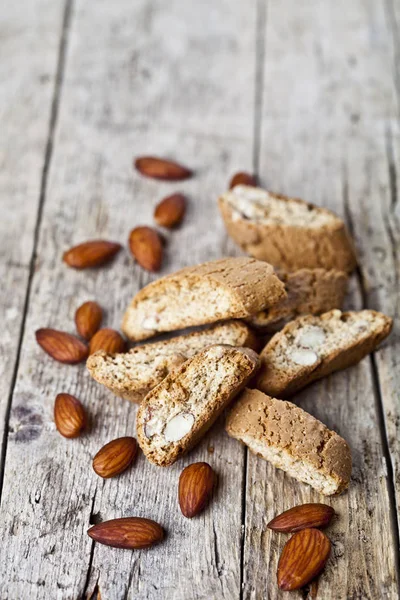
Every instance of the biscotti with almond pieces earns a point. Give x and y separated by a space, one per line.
229 288
292 440
176 414
309 291
287 232
312 347
131 375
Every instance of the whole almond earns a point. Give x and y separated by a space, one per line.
90 254
242 178
302 517
303 558
116 456
196 485
170 211
129 532
61 346
146 246
160 168
88 319
69 415
108 340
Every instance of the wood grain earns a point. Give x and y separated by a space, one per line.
29 45
310 93
324 98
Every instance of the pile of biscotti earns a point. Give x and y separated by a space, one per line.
185 382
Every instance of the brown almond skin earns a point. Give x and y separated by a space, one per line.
116 456
302 517
196 484
303 558
91 254
108 340
242 178
160 168
146 246
62 346
129 533
88 319
170 211
69 415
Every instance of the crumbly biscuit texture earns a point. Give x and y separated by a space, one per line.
230 288
133 374
287 232
309 291
312 347
175 415
292 440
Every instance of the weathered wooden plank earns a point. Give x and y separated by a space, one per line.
29 46
327 98
173 79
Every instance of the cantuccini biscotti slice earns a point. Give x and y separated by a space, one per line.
133 374
311 347
309 291
292 440
230 288
175 415
287 232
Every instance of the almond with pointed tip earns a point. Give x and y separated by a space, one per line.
108 340
90 254
146 246
303 558
88 318
69 415
302 517
160 168
196 484
129 533
62 346
243 178
115 457
170 211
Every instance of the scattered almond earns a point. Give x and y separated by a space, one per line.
88 319
90 254
303 558
116 456
61 346
146 246
196 485
160 168
242 178
108 340
69 415
302 517
170 211
129 532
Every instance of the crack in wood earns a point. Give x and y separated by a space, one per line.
84 595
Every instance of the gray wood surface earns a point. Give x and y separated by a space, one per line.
308 93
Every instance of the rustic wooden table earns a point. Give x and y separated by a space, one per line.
305 93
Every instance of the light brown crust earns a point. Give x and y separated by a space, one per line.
282 378
288 428
177 394
249 286
309 291
292 247
131 375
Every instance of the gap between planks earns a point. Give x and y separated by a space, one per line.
260 29
42 196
